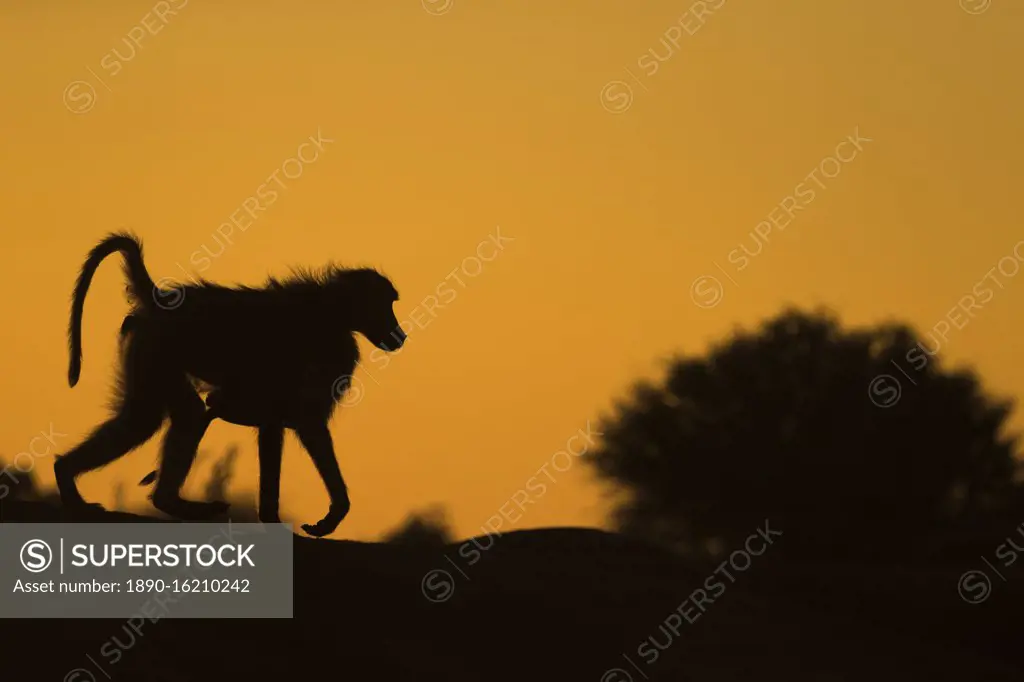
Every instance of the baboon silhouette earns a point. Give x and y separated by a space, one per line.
277 356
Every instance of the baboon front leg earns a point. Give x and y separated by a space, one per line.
248 408
189 422
271 447
316 439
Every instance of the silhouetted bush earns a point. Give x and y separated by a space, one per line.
785 424
429 527
243 509
23 486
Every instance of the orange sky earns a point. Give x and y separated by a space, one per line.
619 179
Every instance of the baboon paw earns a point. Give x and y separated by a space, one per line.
320 528
317 529
329 523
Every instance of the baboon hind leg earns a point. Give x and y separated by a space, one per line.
189 422
140 411
115 438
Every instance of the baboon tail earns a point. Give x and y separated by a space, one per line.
140 286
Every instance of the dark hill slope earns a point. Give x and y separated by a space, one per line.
553 604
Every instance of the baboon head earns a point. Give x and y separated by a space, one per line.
371 297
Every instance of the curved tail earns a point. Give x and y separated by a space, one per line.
140 287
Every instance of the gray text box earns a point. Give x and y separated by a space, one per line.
136 570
